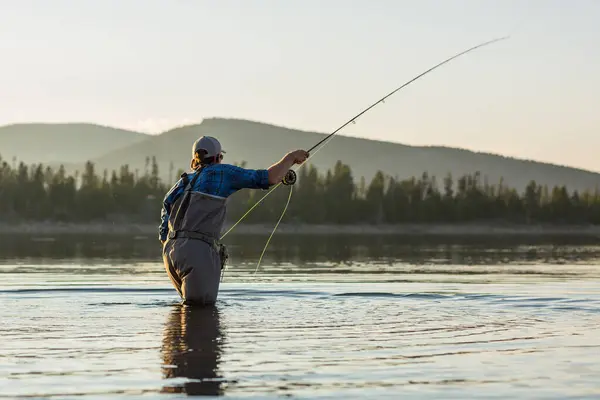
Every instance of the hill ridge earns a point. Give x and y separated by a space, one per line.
381 141
260 144
68 142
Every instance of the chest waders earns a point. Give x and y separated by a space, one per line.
193 255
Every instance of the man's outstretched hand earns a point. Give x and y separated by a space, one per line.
299 156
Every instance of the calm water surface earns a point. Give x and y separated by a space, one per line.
323 318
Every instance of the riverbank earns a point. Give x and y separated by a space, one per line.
473 229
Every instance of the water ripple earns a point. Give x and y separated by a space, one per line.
319 339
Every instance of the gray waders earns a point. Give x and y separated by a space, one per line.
192 254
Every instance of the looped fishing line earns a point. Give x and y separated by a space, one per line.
274 229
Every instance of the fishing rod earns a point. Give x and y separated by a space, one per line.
290 177
382 100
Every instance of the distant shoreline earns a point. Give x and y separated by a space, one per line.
470 229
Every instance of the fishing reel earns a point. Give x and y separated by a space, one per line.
289 178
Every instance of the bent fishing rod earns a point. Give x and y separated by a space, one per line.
290 177
382 100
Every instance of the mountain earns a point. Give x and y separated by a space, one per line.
67 143
261 144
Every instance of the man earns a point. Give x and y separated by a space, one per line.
193 215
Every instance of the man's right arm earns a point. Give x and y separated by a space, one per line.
242 178
278 170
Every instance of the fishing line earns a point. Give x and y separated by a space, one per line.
327 138
274 229
251 208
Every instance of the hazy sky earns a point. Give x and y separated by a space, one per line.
311 64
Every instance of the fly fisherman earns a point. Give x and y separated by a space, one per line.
191 224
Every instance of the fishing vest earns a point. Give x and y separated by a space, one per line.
198 216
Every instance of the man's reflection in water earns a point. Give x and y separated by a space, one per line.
191 349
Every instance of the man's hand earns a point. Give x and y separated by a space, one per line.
278 170
299 156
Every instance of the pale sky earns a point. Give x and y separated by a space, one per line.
150 65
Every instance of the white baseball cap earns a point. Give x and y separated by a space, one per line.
208 144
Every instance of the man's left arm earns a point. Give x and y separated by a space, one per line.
168 201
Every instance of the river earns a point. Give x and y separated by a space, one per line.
324 317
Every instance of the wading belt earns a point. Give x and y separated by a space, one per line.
194 235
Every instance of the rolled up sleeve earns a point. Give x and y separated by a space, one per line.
242 178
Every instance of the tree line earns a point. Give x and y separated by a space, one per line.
40 193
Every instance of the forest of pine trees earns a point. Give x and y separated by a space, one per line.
39 193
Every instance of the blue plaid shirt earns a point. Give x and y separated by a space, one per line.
221 180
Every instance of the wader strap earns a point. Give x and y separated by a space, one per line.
185 203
